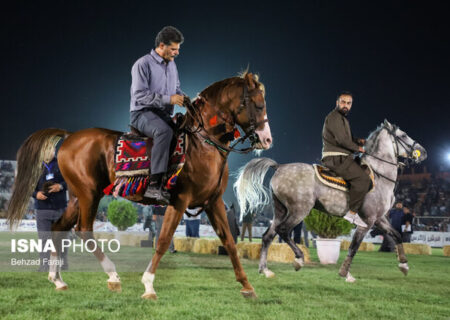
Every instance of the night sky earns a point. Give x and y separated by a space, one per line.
67 65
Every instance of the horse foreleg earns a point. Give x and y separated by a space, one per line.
218 218
172 218
385 225
344 271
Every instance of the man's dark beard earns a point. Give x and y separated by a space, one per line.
344 111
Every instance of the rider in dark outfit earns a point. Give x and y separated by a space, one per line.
337 154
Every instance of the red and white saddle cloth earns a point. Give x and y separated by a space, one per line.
132 165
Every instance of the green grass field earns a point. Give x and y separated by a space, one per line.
192 286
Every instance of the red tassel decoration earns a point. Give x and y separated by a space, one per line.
108 189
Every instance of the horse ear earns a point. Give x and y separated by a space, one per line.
250 81
387 124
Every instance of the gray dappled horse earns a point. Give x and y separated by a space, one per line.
296 190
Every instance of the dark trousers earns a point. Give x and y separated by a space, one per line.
44 221
154 126
351 171
247 226
298 233
406 236
193 228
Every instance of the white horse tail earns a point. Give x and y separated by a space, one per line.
249 188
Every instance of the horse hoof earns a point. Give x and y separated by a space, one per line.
343 273
115 286
404 268
249 294
268 273
63 288
349 278
149 296
298 264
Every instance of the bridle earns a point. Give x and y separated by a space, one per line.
412 153
250 132
251 135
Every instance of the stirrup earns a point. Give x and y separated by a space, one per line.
157 194
355 219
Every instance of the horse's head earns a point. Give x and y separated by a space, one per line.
237 101
404 145
249 111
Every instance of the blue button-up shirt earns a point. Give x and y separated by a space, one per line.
153 81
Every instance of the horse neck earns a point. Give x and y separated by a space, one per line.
381 146
215 123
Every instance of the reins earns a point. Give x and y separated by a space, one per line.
193 112
398 164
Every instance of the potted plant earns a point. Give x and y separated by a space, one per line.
122 214
327 227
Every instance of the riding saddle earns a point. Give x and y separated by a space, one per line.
132 163
329 178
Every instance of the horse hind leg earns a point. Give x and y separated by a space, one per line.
172 218
299 260
280 214
267 239
87 235
88 205
384 225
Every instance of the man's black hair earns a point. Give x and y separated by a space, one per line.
344 93
168 35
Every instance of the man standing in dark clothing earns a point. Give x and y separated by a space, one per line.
247 224
158 216
396 217
155 89
407 222
51 201
232 223
337 154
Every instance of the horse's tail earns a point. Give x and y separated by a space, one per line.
249 187
38 147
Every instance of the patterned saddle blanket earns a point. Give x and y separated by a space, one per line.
132 164
329 178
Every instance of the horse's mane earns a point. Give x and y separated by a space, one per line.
372 141
215 89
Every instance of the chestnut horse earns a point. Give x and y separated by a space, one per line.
86 161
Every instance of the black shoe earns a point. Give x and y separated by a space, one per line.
157 194
155 190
